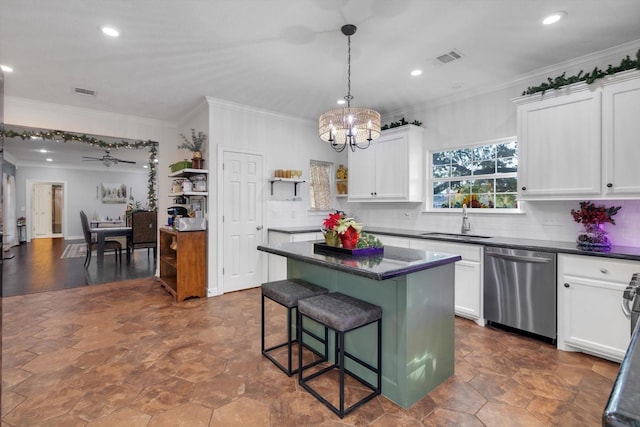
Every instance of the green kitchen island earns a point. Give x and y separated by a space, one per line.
415 289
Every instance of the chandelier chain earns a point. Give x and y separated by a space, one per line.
348 97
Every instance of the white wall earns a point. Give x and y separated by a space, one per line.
487 116
81 193
285 142
24 112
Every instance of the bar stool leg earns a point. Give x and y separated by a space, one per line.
289 342
341 362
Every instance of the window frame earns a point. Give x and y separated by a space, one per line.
430 180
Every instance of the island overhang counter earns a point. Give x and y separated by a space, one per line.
415 289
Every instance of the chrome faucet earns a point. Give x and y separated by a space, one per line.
466 225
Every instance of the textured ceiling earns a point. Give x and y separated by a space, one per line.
289 56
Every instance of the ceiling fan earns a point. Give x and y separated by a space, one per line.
107 159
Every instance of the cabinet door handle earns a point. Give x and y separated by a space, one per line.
566 285
259 227
609 185
524 188
604 270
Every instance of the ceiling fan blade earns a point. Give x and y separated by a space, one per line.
91 158
125 161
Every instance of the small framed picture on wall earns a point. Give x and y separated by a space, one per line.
113 193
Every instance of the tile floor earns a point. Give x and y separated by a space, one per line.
125 354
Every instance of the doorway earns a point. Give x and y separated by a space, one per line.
47 209
242 220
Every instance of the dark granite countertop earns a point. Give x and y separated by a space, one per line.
623 408
393 262
620 252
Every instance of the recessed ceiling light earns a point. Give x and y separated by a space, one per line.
341 102
554 17
145 166
6 68
110 31
416 72
49 160
42 150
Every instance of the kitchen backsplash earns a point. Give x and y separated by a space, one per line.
548 220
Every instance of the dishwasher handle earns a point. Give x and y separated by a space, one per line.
521 258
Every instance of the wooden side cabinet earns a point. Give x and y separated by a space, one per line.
183 256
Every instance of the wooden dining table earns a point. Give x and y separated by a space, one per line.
103 232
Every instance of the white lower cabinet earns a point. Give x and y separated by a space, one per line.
468 280
277 263
590 318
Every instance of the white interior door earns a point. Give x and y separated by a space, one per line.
242 220
42 210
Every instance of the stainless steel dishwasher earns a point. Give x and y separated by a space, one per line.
520 290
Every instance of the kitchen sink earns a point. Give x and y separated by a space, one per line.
455 236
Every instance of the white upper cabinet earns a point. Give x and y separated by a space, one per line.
580 141
559 145
391 169
621 137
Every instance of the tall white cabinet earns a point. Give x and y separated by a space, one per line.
391 169
577 142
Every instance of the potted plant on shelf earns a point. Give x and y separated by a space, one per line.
195 145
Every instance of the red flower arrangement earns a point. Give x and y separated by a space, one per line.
592 214
339 225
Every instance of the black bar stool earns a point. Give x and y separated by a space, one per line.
287 293
342 314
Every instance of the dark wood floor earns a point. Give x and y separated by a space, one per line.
37 267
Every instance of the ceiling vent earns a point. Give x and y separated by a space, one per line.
84 92
448 57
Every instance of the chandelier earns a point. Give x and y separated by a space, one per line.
349 126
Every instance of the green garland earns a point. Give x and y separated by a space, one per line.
402 122
152 194
560 81
61 136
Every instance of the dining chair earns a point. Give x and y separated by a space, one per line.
93 244
144 232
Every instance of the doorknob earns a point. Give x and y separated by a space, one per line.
259 227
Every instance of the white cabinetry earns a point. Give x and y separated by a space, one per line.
277 263
559 144
620 130
390 170
590 317
578 142
468 271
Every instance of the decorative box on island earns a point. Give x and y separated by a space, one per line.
332 250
